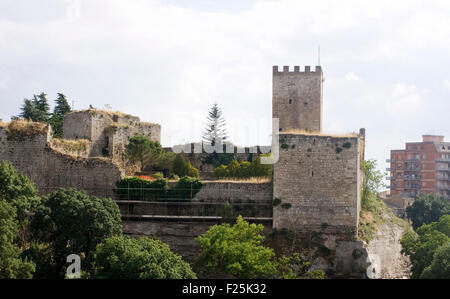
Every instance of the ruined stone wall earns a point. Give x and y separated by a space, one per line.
297 98
108 131
177 233
49 169
77 126
317 179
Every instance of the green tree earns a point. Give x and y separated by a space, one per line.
72 222
427 209
125 258
440 265
62 107
236 250
165 162
143 150
11 263
234 169
36 109
261 170
221 172
180 165
216 129
17 190
371 184
192 171
423 245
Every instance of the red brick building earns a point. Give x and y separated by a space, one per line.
422 167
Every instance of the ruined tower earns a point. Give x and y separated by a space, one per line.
297 98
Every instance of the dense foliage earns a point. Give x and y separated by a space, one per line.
125 258
238 251
429 250
143 150
244 170
427 209
136 188
62 107
372 207
12 265
17 190
188 187
182 167
70 221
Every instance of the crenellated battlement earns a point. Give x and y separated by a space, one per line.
297 70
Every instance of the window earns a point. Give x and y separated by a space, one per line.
290 101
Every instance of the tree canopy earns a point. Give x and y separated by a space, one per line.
36 109
62 107
121 257
17 190
428 248
11 263
427 208
143 150
236 250
72 222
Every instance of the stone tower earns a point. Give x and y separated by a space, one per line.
297 99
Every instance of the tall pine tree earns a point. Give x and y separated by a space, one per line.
215 130
36 109
62 107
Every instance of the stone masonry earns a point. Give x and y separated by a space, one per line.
108 131
297 98
317 179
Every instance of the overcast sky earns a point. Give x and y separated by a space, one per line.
385 62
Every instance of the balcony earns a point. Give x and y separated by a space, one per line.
414 187
411 160
443 187
388 169
443 178
443 160
390 178
411 178
390 161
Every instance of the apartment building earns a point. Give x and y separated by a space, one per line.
422 167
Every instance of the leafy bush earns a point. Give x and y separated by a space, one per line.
244 170
427 209
187 187
144 258
182 168
70 221
236 250
426 251
135 188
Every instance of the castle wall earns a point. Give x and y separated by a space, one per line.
108 131
297 98
49 169
77 126
177 233
317 179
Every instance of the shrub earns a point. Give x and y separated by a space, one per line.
135 188
244 170
144 258
187 187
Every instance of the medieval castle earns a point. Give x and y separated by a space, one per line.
317 178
